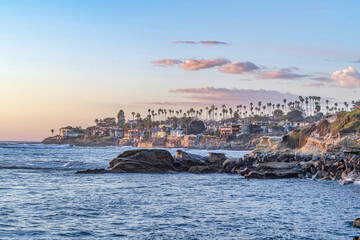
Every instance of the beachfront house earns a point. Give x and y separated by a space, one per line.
68 132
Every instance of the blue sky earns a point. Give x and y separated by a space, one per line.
69 62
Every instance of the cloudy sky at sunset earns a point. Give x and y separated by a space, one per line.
69 62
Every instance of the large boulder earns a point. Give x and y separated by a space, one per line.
143 161
196 127
184 161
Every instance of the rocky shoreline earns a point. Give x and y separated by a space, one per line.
345 168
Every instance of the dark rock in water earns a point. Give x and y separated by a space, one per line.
196 127
202 169
143 161
357 223
356 238
229 164
216 157
93 171
189 159
347 182
274 173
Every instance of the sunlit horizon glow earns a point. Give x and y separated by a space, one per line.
69 62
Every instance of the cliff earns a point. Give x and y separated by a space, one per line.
335 135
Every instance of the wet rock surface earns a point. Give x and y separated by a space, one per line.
345 168
325 167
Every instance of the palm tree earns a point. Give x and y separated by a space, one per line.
284 101
138 116
133 114
206 113
52 132
269 108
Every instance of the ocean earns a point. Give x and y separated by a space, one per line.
42 198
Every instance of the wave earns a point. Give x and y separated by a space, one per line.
37 146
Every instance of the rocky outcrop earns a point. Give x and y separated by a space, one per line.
325 167
143 161
161 161
335 135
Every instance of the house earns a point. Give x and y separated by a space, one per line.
231 129
176 132
116 133
67 132
132 134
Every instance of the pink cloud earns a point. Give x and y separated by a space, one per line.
167 62
323 79
197 64
238 67
234 96
184 42
280 75
314 85
348 78
213 43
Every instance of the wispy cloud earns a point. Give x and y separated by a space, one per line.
348 78
280 75
323 79
197 64
314 85
184 42
207 43
290 69
174 103
234 96
167 62
238 67
212 43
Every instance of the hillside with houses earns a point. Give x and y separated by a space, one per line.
210 128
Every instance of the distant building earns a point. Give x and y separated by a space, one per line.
67 132
232 129
116 133
132 134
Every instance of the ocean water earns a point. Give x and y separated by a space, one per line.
42 198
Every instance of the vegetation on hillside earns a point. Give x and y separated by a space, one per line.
345 123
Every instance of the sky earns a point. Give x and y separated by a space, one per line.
69 62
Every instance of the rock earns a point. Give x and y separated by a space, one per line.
202 169
356 238
275 165
229 164
337 176
317 175
274 174
346 182
308 175
217 157
333 169
189 159
143 161
93 171
357 223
